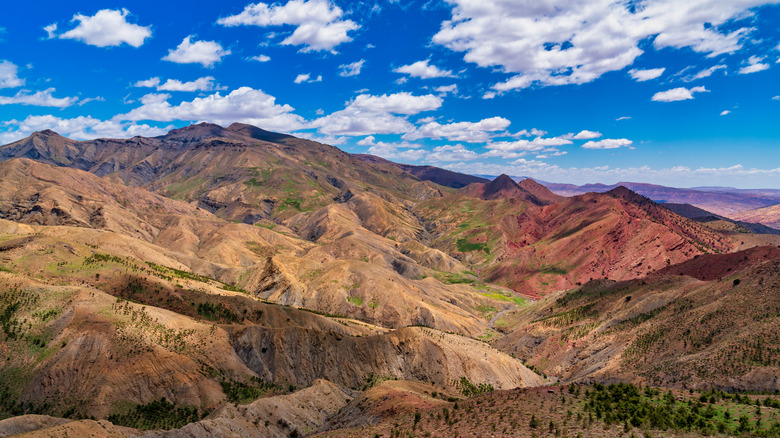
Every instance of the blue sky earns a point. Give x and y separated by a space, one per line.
682 93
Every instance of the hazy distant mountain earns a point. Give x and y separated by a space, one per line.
721 201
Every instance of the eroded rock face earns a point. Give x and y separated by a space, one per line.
301 356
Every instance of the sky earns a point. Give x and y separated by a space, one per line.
673 92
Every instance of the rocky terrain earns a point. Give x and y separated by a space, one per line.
237 282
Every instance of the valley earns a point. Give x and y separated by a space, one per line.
231 281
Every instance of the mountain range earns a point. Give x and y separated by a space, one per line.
232 281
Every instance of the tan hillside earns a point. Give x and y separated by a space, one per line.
769 216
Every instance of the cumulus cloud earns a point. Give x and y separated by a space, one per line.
577 41
352 69
520 148
422 70
78 128
754 65
201 84
456 152
107 28
446 89
725 112
608 143
260 58
9 75
318 24
587 135
471 132
676 94
245 105
206 53
397 151
368 114
307 78
39 98
646 75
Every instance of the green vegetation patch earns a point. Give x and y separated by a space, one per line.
216 312
240 392
624 403
159 414
469 389
465 246
568 317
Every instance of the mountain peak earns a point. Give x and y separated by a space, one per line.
628 195
501 187
256 133
46 133
542 194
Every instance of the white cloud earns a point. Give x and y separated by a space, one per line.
201 84
368 141
260 58
623 118
318 24
245 105
352 69
706 72
9 75
577 41
776 98
676 94
206 53
446 89
587 135
78 128
326 139
421 69
87 100
307 78
646 75
451 153
471 132
608 143
754 65
368 114
39 98
397 151
107 28
398 103
725 112
520 148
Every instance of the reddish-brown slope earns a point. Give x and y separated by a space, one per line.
715 266
540 192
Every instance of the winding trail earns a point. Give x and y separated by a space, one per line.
499 315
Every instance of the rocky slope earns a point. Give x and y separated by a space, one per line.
707 322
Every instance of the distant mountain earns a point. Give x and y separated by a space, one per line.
704 216
723 202
769 216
